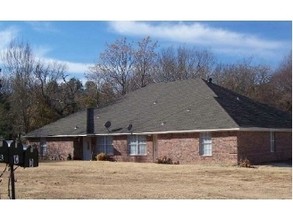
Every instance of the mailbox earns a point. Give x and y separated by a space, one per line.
16 153
4 157
31 157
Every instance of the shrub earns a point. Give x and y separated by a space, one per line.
103 157
166 160
245 163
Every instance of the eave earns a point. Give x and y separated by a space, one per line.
251 129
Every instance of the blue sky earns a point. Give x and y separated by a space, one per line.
76 33
78 43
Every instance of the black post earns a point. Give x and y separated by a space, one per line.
12 181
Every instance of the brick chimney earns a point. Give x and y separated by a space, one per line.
90 121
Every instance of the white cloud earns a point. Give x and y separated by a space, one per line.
42 26
41 50
77 67
77 70
73 69
6 36
199 34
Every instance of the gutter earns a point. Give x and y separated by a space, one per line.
253 129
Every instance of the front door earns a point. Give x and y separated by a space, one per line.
87 148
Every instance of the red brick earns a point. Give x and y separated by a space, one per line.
255 146
227 147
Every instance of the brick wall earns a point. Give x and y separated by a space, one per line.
184 148
57 148
255 146
60 149
283 145
178 147
227 147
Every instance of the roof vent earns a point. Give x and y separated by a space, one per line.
163 123
155 102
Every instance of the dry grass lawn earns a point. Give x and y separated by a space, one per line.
114 180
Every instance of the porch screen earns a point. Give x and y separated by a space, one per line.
105 145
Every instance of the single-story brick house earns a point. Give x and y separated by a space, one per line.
189 121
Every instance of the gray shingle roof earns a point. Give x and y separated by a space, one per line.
186 105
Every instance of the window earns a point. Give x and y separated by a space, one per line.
43 147
272 142
205 144
137 145
105 145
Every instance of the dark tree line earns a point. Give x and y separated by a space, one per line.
259 82
34 92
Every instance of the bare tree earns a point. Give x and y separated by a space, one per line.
90 96
34 89
145 59
246 79
115 66
166 66
183 63
48 72
282 84
5 116
19 61
47 88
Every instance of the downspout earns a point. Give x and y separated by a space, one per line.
155 147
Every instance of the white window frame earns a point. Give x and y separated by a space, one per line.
205 144
272 142
137 145
105 145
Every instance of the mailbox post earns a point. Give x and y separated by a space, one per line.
12 180
13 153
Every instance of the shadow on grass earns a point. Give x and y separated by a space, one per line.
287 163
